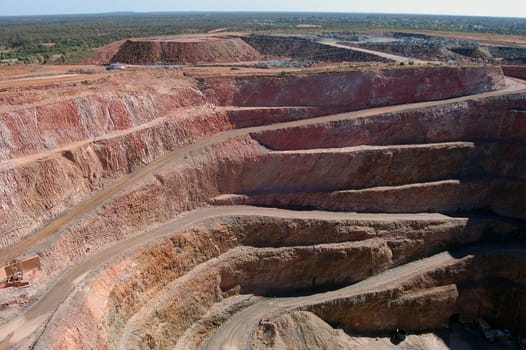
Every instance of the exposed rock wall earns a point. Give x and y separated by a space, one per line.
254 116
168 285
516 71
441 196
109 134
490 118
428 301
243 164
50 125
432 168
161 196
38 191
284 171
354 89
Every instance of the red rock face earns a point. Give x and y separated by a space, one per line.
118 132
497 117
515 71
354 90
34 128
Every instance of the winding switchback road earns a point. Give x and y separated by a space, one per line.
234 332
35 317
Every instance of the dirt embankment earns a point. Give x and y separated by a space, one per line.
103 55
213 50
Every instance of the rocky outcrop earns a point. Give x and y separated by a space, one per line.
298 330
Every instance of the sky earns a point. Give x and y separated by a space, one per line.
501 8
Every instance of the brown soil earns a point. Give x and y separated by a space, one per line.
209 49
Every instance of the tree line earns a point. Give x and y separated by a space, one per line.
57 39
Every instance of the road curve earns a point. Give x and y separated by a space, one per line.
235 333
23 326
36 317
25 244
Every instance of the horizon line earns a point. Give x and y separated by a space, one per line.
253 12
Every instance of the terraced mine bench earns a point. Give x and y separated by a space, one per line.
141 205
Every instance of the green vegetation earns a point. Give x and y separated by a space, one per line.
58 39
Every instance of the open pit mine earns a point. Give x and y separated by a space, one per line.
196 201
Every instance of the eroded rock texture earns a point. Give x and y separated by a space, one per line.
139 191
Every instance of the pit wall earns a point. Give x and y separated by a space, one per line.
187 183
257 116
170 284
353 89
500 197
467 288
363 167
55 154
132 129
46 126
499 117
425 164
236 166
516 71
37 192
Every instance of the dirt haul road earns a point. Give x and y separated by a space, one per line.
23 326
36 317
389 56
25 245
235 333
